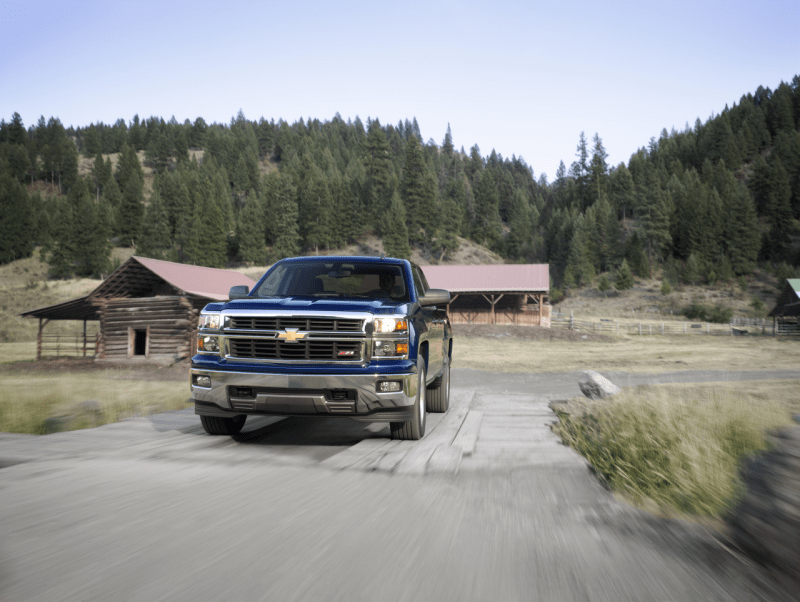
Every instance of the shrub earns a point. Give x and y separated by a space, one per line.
556 296
695 311
720 315
666 289
679 447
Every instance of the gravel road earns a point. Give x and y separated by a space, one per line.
489 506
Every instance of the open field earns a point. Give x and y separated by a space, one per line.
626 354
677 448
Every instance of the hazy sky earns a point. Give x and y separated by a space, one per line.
524 78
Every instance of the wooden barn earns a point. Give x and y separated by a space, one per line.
786 313
147 309
495 294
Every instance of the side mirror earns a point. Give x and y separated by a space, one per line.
239 291
435 296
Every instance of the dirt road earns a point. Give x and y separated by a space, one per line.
489 506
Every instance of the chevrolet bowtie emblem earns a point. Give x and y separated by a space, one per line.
290 335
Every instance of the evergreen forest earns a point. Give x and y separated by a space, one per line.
700 205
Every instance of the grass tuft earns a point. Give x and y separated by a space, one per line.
674 446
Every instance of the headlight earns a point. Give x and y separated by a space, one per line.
384 325
210 321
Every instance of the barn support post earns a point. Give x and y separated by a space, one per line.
42 323
452 298
493 302
84 338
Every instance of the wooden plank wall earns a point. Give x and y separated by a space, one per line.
502 316
171 323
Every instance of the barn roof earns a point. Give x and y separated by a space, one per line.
489 278
789 300
139 277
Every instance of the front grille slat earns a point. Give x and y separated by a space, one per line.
307 324
270 349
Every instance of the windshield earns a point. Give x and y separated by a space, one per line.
335 279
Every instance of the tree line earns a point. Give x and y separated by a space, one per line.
703 204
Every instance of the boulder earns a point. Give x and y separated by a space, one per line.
596 386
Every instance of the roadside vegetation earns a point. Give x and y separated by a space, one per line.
676 449
39 402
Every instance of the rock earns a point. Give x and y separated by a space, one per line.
90 406
596 386
57 424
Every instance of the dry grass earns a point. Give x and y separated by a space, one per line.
677 448
28 399
628 354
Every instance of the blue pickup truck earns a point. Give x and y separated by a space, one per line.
363 338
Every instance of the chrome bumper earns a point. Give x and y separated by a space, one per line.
346 395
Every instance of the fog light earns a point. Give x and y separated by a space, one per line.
207 343
390 386
383 348
203 381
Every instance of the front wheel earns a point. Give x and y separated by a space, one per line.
216 425
415 428
439 396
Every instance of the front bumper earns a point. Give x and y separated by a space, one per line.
347 395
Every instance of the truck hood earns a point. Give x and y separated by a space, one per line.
295 304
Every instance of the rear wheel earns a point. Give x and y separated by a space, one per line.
216 425
439 395
415 428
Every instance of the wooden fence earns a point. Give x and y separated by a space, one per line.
66 345
734 328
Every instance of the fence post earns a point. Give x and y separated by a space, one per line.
651 329
571 320
662 328
640 329
684 328
708 328
617 326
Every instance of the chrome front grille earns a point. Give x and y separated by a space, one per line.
308 324
309 349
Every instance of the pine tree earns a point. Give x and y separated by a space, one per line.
395 231
250 233
381 179
156 239
779 210
742 233
131 212
450 220
418 193
17 223
287 238
624 279
598 169
520 234
487 228
692 269
129 168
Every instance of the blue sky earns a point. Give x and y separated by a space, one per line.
524 78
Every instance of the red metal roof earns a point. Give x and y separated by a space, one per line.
488 278
197 280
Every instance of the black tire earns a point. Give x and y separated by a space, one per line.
439 394
415 428
216 425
